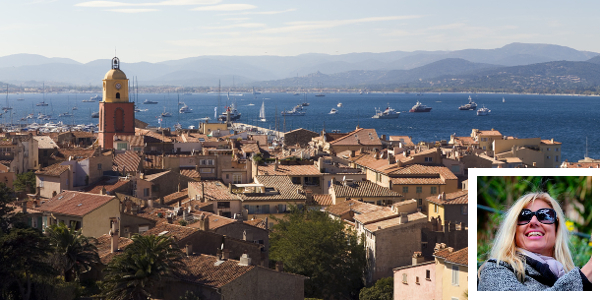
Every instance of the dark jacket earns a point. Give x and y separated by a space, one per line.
538 277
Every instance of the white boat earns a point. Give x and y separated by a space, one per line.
96 114
293 112
333 111
165 113
503 100
388 113
150 102
74 107
339 104
261 114
177 126
96 98
43 103
65 114
185 109
483 111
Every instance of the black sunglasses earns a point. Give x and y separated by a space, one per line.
543 215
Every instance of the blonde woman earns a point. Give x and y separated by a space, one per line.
531 251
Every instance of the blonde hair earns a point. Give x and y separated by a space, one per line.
504 248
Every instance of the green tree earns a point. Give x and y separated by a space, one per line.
189 295
23 255
325 250
25 182
73 253
146 263
7 215
383 289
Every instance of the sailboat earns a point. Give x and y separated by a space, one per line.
165 113
7 107
261 115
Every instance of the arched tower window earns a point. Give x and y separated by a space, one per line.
118 95
119 120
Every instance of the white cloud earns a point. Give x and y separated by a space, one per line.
241 25
315 25
225 7
274 12
162 3
132 10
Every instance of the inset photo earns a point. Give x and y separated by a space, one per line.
534 233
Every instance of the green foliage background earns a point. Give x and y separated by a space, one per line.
574 193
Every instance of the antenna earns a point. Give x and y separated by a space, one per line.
586 147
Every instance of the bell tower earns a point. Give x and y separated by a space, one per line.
117 115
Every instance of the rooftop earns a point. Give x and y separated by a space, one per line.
74 203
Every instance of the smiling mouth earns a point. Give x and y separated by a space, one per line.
534 235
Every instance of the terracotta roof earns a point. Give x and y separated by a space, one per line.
359 189
465 140
404 139
83 134
78 154
155 176
460 197
567 164
359 137
157 136
177 231
202 269
104 247
213 190
172 198
153 161
191 173
460 257
490 132
258 222
289 170
133 140
417 169
250 148
282 189
214 221
551 142
387 222
352 205
128 159
109 184
45 142
53 170
74 203
6 162
379 214
323 199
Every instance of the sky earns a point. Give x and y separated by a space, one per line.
160 30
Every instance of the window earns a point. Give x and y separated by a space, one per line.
296 180
435 208
464 209
419 202
484 148
237 178
455 275
555 149
405 189
427 275
226 176
155 188
404 280
121 146
417 280
428 159
41 182
223 205
433 190
206 170
556 159
378 177
146 192
484 139
281 208
547 156
419 189
99 166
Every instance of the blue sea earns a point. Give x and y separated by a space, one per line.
567 119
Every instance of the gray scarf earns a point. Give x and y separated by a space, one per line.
555 266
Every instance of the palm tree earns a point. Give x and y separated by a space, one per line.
73 253
143 265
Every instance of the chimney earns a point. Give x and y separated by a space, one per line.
161 201
534 164
352 153
188 249
279 266
267 223
226 254
114 235
219 252
230 188
442 196
170 219
205 223
276 164
403 218
37 192
245 260
128 206
417 258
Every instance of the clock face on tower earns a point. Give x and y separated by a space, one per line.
118 86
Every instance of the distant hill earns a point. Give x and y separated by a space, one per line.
549 77
594 60
338 70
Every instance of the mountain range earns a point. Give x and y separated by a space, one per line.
388 69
